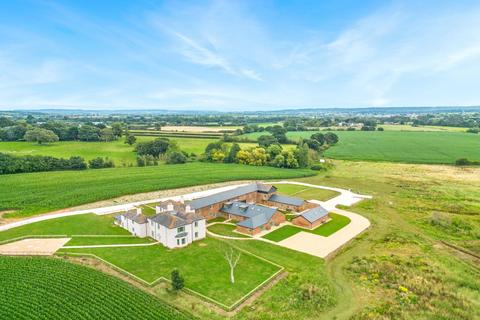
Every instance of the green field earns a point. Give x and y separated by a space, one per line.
336 223
32 193
202 264
226 229
400 146
306 192
118 151
48 288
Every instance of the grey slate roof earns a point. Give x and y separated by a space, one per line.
255 215
286 200
173 220
135 217
314 214
228 195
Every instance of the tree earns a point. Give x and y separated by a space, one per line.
117 129
12 133
100 163
301 154
155 147
331 138
313 144
319 137
176 157
177 280
130 139
40 136
274 150
6 122
107 134
218 156
88 133
279 133
232 258
267 140
232 154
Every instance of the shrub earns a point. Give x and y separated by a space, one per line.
100 163
466 162
177 280
176 157
13 164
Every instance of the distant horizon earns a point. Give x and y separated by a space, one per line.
238 55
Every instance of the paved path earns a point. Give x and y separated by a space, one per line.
36 246
111 245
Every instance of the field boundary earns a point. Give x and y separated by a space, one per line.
33 236
191 291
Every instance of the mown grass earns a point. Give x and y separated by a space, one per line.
202 264
399 146
306 193
225 229
34 193
336 223
84 224
87 241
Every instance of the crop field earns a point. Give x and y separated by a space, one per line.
48 288
33 193
400 146
202 264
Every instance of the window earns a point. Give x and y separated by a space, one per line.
196 234
183 240
196 224
178 242
181 229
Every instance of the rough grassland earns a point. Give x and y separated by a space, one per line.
202 264
47 288
400 146
33 193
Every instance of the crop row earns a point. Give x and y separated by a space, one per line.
47 288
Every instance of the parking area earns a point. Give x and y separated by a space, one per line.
36 246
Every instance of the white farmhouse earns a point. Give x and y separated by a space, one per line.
175 224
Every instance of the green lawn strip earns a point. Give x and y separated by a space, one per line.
85 241
336 223
83 224
202 264
306 193
50 288
225 229
282 233
33 193
217 219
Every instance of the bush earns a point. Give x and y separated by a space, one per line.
100 163
473 130
466 162
176 157
317 167
177 280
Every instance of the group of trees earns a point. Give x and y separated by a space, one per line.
149 152
15 164
23 164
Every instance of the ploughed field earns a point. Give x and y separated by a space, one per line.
399 146
32 193
49 288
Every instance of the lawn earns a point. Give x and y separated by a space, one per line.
48 288
202 264
84 224
217 219
225 229
306 193
103 240
336 223
400 146
33 193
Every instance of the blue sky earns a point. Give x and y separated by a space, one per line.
238 55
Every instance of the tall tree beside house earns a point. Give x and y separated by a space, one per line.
177 280
40 136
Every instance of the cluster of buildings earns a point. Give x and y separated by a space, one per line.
253 207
